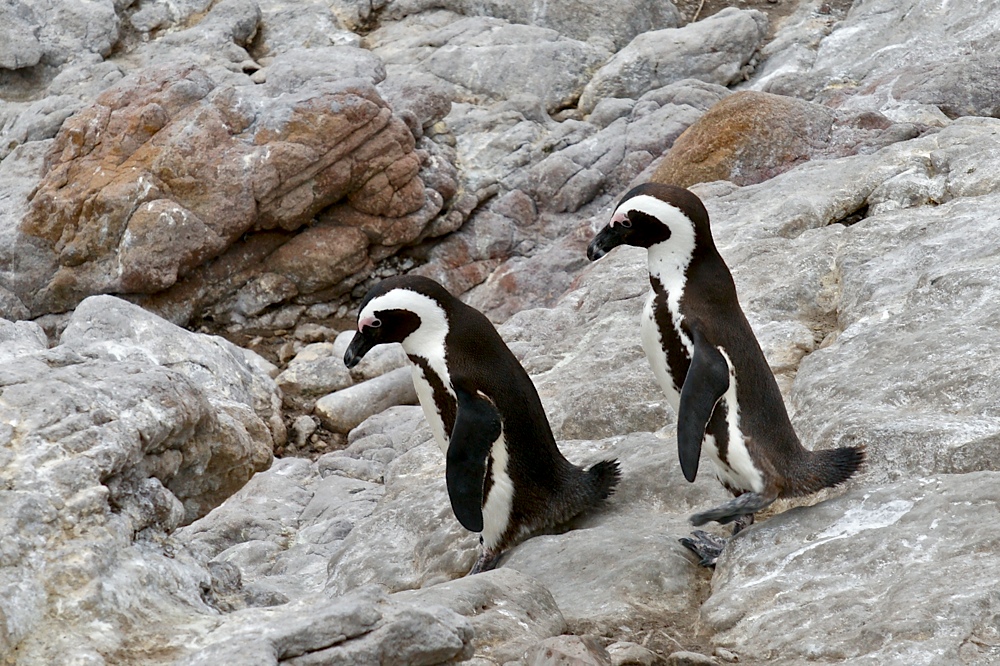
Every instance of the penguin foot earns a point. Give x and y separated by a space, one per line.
745 504
488 560
706 546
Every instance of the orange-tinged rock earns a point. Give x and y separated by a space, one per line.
746 138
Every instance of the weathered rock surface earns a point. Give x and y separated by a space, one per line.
912 61
488 60
878 569
751 136
714 50
126 429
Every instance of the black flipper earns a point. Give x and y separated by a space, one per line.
477 426
706 382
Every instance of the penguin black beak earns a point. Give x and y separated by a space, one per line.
356 351
610 237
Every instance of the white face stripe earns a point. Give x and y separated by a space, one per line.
426 342
668 261
428 339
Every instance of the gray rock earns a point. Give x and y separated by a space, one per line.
290 70
363 628
281 529
37 121
317 370
686 658
55 31
568 651
611 158
126 429
866 58
21 47
586 20
285 26
20 338
875 561
508 610
490 60
379 361
344 410
624 653
714 50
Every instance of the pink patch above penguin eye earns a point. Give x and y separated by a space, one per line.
368 322
620 218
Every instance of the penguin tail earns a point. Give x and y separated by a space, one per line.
827 468
603 477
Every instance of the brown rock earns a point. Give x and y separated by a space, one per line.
153 189
746 138
320 256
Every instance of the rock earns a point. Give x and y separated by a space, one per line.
746 138
126 429
714 50
685 658
814 555
415 540
585 20
611 158
364 628
249 422
489 60
20 338
302 428
286 26
281 529
55 31
628 549
314 372
380 360
568 651
344 410
143 188
509 611
863 56
624 653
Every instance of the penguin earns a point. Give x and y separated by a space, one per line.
506 477
710 366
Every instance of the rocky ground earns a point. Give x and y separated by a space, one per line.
194 194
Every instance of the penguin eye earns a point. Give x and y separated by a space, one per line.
375 323
627 223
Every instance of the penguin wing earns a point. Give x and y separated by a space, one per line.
477 426
706 382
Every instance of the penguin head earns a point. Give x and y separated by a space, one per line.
654 215
406 308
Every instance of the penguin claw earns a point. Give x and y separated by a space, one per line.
488 560
706 546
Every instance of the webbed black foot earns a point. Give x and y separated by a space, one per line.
734 509
488 560
706 546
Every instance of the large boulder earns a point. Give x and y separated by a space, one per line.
126 429
124 207
714 50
